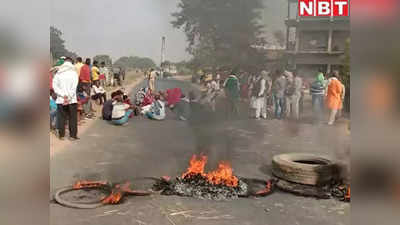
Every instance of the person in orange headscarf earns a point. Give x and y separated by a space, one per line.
334 100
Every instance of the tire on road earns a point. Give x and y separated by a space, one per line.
61 201
303 168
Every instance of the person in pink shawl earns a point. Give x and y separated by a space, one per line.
173 96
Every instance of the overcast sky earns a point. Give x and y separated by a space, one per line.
119 28
132 27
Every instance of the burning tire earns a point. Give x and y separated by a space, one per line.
300 168
87 205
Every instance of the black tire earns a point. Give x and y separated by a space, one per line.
92 205
302 168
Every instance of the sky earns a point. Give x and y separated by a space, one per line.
131 27
119 28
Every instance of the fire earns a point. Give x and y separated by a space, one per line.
89 184
347 197
222 175
114 198
196 165
117 193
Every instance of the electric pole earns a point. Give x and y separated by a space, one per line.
163 49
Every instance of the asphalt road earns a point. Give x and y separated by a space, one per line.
154 148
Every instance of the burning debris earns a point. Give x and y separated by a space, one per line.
115 194
219 184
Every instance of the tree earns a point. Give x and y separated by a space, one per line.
57 44
103 58
221 33
135 62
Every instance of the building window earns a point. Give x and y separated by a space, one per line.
314 40
339 40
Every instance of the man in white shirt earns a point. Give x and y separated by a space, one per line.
99 93
65 83
258 97
121 111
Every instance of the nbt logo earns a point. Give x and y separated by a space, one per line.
324 7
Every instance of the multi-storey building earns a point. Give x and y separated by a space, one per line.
315 42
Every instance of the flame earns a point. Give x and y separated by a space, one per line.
114 198
222 175
117 193
89 184
196 166
347 197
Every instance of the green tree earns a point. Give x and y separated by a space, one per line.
57 44
221 33
135 62
103 58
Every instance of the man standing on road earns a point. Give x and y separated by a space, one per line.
294 98
103 74
78 65
279 96
317 91
65 85
95 72
267 94
257 95
232 92
334 97
85 82
152 80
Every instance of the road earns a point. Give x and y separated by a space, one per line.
154 148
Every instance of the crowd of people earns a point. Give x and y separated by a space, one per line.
277 96
75 88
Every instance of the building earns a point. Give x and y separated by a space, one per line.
315 42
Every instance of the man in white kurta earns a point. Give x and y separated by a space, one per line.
258 92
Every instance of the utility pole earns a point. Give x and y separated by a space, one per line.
163 50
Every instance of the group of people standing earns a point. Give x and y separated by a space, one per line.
74 87
277 96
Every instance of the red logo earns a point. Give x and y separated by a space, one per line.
324 7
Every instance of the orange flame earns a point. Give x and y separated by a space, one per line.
196 165
114 198
222 175
347 197
116 194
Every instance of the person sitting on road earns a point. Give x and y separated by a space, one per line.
121 111
98 92
107 109
156 110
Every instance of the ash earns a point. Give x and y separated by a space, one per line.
198 187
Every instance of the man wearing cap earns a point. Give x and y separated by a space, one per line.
65 84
